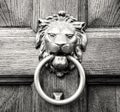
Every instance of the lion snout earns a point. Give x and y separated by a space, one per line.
60 49
67 48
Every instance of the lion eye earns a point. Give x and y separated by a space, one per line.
52 34
69 35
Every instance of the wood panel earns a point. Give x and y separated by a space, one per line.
103 98
44 8
15 99
41 105
17 51
19 57
15 13
102 56
103 13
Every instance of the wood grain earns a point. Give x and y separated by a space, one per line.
15 13
15 99
68 85
118 98
19 57
18 53
83 11
103 54
103 13
103 98
44 8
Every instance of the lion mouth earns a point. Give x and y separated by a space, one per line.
60 62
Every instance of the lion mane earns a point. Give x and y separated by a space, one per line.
61 16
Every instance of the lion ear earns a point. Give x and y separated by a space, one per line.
42 22
79 25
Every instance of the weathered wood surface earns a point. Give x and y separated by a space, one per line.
19 58
15 13
103 98
103 13
17 52
83 11
25 99
102 56
18 55
15 99
44 8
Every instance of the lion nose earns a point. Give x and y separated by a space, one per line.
60 40
60 45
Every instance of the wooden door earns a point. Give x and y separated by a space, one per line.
19 58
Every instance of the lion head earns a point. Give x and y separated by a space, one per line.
61 35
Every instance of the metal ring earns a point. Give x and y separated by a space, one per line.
65 101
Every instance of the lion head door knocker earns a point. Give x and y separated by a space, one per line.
61 41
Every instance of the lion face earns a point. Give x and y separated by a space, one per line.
61 35
60 38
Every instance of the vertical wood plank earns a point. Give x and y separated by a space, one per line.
44 8
15 99
15 13
102 99
83 10
117 98
104 13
